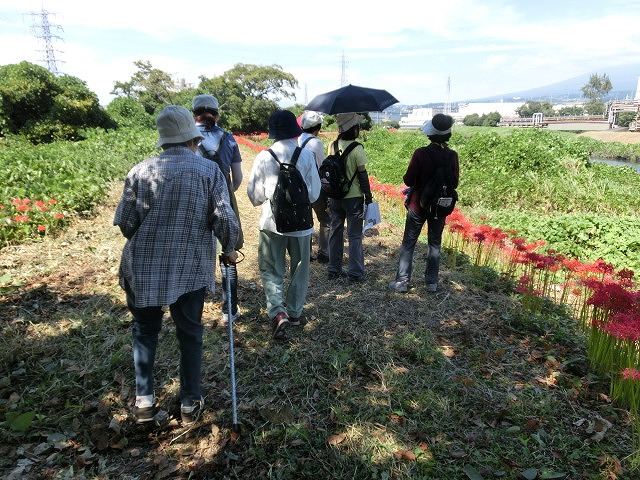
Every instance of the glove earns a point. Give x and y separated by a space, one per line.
363 215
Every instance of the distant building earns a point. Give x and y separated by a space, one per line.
417 117
505 109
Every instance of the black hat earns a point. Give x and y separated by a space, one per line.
283 124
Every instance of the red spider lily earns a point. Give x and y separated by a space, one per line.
611 296
20 218
42 228
630 374
58 216
624 326
52 201
23 208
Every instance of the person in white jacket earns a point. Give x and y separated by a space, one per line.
283 309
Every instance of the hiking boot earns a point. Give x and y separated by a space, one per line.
432 287
353 279
297 321
401 286
322 257
144 414
190 414
336 275
224 322
279 324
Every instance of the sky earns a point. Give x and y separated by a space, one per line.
421 51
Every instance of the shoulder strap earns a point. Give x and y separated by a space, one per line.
296 154
294 157
306 141
274 156
347 150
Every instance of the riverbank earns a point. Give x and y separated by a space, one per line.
617 135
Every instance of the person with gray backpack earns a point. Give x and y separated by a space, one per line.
273 172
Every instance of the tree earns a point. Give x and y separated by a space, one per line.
248 94
472 120
533 106
597 87
152 87
491 119
571 111
37 104
127 112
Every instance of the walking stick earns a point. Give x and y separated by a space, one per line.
236 425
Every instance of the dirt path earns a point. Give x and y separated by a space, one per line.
622 136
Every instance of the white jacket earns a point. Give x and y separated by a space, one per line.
264 176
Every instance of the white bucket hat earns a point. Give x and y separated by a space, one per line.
347 120
175 124
440 124
310 119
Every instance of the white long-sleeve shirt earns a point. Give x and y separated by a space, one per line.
264 176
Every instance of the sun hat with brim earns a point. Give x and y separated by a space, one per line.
440 124
283 125
347 120
205 102
310 119
175 124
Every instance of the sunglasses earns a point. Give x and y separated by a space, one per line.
202 111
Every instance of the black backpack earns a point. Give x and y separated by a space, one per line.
439 197
333 172
290 203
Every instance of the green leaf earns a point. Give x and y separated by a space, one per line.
22 422
530 473
472 473
548 475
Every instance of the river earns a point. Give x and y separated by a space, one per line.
617 163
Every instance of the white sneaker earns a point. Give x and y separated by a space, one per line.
225 318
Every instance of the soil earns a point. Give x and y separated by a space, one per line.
622 136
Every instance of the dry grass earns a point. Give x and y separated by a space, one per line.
375 385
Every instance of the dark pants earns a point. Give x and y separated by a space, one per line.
412 229
349 210
186 313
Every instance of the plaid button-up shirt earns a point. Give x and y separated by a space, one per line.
171 207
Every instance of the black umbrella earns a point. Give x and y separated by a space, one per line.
352 99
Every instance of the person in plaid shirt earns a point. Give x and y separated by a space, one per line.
170 205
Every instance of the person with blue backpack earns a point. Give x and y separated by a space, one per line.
221 147
279 236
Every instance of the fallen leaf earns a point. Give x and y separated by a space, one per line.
405 455
336 439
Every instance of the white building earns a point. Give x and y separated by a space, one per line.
505 109
416 118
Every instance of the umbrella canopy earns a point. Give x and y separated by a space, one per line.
352 99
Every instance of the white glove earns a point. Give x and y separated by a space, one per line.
363 215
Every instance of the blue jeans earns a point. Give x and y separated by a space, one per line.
349 209
272 250
412 229
186 313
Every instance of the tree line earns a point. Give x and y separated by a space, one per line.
44 107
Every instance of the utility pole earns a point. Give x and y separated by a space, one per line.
447 105
343 76
41 28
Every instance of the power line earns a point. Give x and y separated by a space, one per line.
41 29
